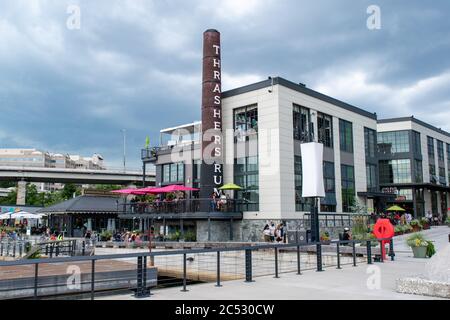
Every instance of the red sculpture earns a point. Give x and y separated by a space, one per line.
383 229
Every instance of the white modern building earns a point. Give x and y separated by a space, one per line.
264 125
414 160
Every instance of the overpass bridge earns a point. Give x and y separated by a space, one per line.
22 175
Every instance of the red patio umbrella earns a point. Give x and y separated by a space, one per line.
151 190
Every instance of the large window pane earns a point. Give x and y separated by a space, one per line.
348 187
325 127
395 171
246 175
393 141
370 142
346 135
301 123
245 122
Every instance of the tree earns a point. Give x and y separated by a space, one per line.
69 190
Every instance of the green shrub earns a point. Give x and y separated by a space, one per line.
174 236
190 236
106 235
431 250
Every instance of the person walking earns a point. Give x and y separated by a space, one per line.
272 229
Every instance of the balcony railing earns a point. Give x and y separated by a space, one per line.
183 206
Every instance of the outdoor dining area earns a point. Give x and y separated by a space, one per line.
177 199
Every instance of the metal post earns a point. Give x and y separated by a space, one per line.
338 256
139 292
218 269
299 271
248 266
231 229
184 273
369 252
319 257
143 174
276 263
391 249
36 274
83 248
354 253
14 249
381 251
92 279
209 229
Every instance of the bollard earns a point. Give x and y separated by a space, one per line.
354 253
338 256
319 257
92 280
218 270
369 252
276 263
184 273
36 274
248 266
299 271
381 251
391 249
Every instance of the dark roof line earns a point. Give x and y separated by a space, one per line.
419 122
298 88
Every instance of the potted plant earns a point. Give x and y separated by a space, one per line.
105 235
407 228
398 230
421 247
415 224
425 223
325 237
448 222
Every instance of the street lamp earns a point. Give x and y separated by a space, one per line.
124 134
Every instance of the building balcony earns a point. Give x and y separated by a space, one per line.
196 209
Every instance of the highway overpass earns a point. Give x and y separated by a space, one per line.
77 176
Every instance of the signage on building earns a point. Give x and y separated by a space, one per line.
390 190
400 198
211 178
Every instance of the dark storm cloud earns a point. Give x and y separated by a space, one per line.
137 64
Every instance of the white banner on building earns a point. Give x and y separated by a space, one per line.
312 170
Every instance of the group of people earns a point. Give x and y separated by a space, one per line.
397 218
274 233
219 203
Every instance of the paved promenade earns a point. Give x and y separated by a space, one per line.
350 283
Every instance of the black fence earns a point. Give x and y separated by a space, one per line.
249 265
183 206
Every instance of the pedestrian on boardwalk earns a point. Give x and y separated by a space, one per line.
266 233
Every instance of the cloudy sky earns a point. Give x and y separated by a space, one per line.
136 65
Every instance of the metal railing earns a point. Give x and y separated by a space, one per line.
182 206
334 220
250 258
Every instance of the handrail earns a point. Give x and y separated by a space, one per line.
180 252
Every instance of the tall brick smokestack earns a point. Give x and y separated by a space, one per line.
211 177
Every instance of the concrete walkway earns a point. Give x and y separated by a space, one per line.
350 283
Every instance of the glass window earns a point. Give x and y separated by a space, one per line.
328 204
418 171
371 174
432 171
301 204
417 143
405 195
196 174
173 172
393 141
245 122
395 171
246 175
440 150
166 173
325 128
301 123
430 143
348 187
346 135
370 137
442 179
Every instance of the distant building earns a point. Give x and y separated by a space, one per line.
36 158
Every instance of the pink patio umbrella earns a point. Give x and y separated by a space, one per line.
150 190
174 188
129 191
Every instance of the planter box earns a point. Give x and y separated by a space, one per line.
419 252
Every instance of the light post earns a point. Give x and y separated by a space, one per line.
124 134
